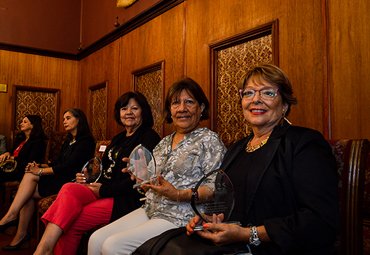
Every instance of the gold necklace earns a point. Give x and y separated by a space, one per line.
250 148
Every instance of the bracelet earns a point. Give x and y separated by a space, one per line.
195 194
253 236
41 171
178 194
141 191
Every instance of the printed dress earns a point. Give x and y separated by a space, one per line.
197 154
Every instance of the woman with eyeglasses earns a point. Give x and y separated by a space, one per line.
183 158
285 181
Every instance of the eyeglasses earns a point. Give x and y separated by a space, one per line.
266 93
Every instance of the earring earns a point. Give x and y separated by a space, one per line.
248 128
281 122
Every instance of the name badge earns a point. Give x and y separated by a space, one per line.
102 148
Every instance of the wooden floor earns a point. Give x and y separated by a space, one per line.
5 240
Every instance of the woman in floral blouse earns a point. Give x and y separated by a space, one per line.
183 157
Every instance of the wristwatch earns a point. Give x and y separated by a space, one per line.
253 238
41 171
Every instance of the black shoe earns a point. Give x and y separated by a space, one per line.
8 225
23 244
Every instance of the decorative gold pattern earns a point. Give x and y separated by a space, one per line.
232 63
98 113
36 103
150 85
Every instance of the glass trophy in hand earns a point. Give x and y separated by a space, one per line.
217 198
8 165
92 170
142 166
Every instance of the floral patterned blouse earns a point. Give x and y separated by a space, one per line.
197 154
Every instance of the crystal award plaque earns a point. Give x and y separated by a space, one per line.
8 165
218 199
142 166
92 170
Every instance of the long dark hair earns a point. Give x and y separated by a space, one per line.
37 130
82 126
146 112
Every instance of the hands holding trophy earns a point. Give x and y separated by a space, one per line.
142 166
217 204
92 170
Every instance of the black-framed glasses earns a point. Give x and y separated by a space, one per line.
265 93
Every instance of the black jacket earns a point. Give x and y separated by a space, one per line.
126 199
292 190
33 150
70 161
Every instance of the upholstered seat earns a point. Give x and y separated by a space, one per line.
366 217
351 161
9 189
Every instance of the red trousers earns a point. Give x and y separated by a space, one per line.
76 210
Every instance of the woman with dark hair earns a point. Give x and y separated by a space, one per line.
42 180
112 196
29 146
183 158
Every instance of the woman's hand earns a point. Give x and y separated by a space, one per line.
80 178
95 187
126 169
163 188
222 233
196 221
33 168
4 156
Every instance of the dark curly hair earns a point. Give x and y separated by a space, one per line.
146 112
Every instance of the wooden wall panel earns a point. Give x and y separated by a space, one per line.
159 39
100 67
349 72
38 71
300 44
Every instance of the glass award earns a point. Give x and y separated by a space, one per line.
93 170
142 166
216 198
8 165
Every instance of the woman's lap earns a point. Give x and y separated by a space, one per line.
124 235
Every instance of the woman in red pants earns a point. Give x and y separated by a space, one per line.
79 208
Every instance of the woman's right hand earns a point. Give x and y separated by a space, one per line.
4 156
80 178
196 221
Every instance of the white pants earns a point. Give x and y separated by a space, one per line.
126 234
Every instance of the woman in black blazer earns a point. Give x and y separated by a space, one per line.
29 146
41 180
285 177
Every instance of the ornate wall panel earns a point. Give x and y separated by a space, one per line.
36 103
149 81
230 62
98 112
